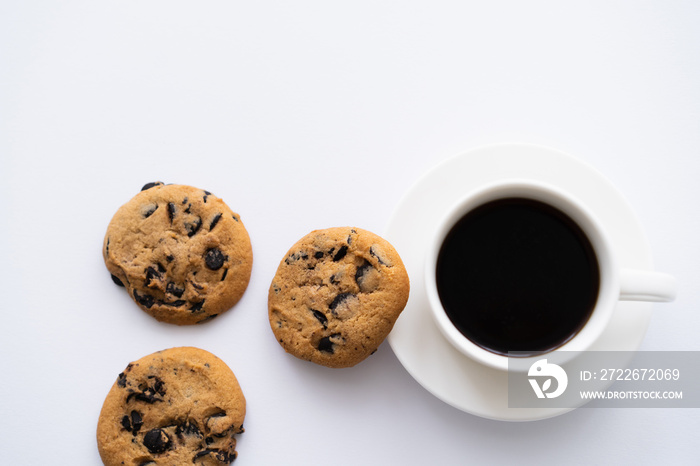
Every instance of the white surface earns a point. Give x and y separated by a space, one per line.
304 115
426 346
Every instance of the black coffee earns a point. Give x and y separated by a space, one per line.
517 275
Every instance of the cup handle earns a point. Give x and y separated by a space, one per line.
642 285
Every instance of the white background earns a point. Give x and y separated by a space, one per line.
305 115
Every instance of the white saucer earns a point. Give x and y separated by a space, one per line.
417 342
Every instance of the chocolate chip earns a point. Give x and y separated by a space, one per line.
340 254
193 228
339 300
176 303
195 284
126 423
116 280
184 201
146 397
214 259
145 300
219 455
136 421
171 211
151 185
318 254
367 277
321 317
121 380
326 345
150 211
156 440
174 290
189 428
158 385
197 306
170 258
223 276
374 253
150 393
361 271
214 221
206 195
152 274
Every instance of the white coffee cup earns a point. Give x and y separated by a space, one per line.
616 283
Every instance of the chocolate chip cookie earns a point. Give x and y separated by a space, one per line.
336 296
181 253
174 407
